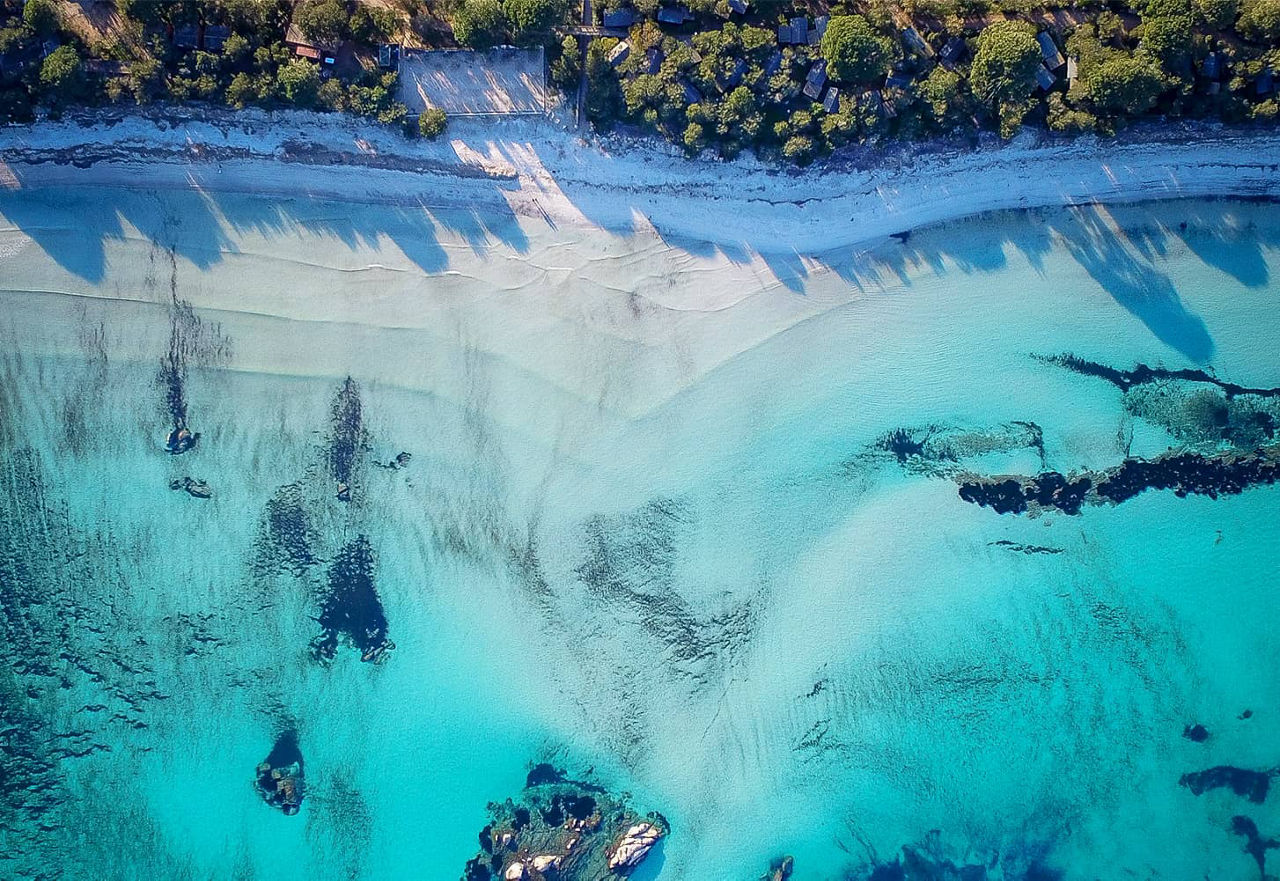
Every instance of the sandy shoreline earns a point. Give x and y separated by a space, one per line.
536 169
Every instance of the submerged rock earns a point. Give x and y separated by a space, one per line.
1196 733
196 488
563 829
279 775
779 870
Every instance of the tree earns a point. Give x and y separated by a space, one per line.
1218 14
694 137
235 49
324 21
1124 84
372 24
799 149
1168 39
432 122
298 82
1260 20
604 96
530 19
1005 63
855 53
566 69
60 73
241 91
479 23
41 16
941 91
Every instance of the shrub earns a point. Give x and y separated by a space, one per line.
1005 63
530 19
479 23
855 53
431 123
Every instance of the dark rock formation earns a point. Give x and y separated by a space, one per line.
279 776
196 488
351 608
1025 549
565 830
180 440
1252 785
1196 733
1186 473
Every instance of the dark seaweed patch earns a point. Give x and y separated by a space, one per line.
903 443
1252 785
1025 549
351 607
926 862
285 541
1142 374
1255 845
348 438
543 773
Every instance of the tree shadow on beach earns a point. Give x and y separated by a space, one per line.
74 226
1124 259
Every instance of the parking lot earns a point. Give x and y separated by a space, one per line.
469 83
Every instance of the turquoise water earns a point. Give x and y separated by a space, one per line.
648 533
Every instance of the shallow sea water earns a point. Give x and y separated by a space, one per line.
648 533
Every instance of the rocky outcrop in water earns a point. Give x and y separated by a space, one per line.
565 830
634 845
279 776
1186 473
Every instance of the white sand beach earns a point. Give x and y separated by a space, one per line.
536 168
